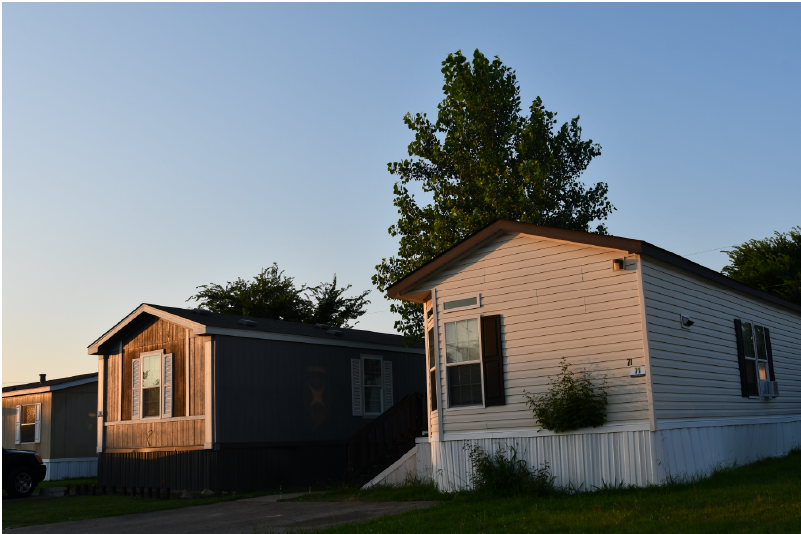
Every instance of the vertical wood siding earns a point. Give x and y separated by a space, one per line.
197 370
155 434
557 299
154 335
282 392
10 417
695 371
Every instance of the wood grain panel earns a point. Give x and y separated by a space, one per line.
156 334
148 434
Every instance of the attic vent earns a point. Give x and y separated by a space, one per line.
247 322
323 326
201 311
334 332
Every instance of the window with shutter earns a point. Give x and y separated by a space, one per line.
166 387
388 401
356 386
136 390
755 360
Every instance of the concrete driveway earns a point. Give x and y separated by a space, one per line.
246 516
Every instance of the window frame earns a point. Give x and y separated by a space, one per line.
479 362
365 413
477 296
21 424
756 359
142 356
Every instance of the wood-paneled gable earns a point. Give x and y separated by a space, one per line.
156 334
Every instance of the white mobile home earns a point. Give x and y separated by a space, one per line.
719 362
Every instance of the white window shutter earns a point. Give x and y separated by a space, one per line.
38 428
387 385
136 391
16 427
166 388
356 385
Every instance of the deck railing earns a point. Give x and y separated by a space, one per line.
393 429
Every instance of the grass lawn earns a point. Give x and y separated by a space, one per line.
761 497
35 511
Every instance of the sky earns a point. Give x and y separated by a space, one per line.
151 148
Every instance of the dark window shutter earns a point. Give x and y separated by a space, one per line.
492 359
738 328
770 354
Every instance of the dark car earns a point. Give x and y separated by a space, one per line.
22 471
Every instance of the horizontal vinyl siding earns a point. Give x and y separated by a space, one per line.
556 299
695 371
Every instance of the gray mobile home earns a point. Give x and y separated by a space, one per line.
197 400
57 419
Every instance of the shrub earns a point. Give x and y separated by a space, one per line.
572 402
499 475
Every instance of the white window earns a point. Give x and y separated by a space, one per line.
152 385
463 363
461 303
372 387
28 424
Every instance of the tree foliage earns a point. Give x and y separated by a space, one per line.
273 295
572 402
481 160
772 264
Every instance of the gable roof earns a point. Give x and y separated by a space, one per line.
403 289
203 322
49 385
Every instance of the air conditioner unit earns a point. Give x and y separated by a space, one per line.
768 388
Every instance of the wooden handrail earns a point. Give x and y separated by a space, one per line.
390 430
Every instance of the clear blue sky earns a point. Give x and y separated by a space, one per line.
151 148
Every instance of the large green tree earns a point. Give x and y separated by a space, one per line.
772 264
481 160
273 295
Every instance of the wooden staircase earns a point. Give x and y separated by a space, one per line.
385 440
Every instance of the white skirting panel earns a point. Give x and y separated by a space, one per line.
581 461
61 468
640 457
692 451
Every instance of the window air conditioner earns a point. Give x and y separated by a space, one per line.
768 388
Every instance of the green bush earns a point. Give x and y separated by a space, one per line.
501 475
572 402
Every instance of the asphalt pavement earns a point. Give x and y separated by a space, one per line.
245 516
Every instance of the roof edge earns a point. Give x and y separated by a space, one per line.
632 246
